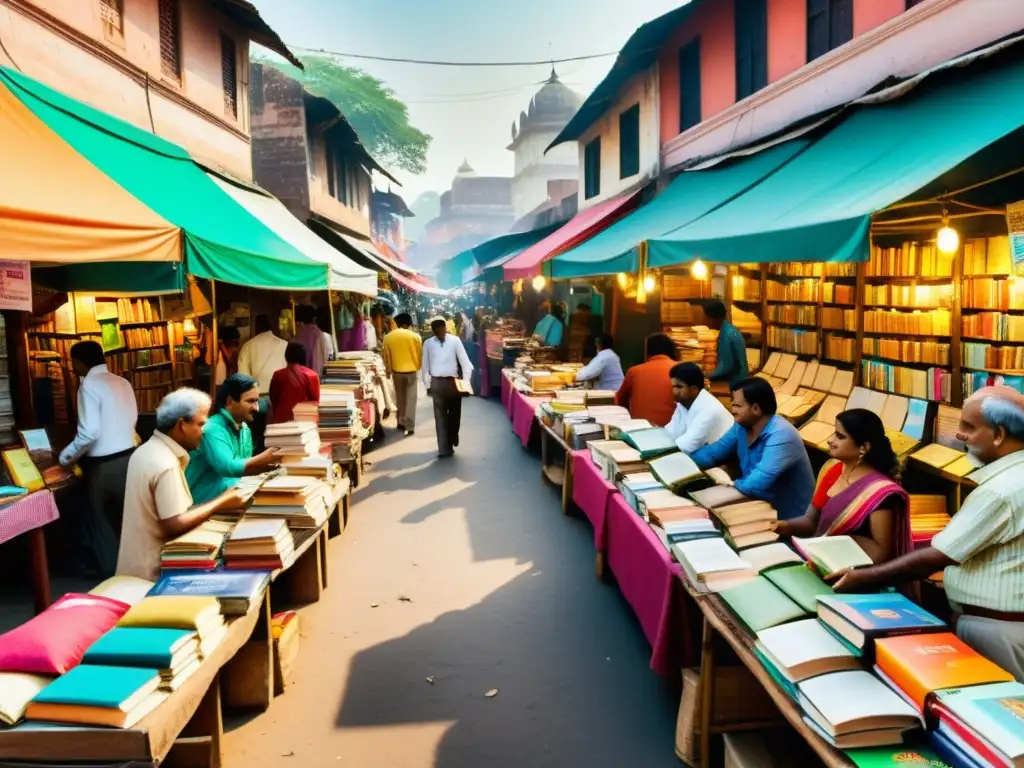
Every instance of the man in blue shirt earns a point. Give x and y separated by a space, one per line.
732 350
773 462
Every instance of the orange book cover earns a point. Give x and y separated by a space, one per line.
920 664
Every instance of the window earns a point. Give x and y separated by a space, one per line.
629 142
228 67
170 39
337 174
751 47
689 85
112 18
592 169
829 25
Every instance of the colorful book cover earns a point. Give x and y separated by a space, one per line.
800 584
913 427
21 469
151 648
995 711
922 664
98 686
759 604
879 615
901 756
219 584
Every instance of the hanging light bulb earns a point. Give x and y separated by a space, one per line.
649 283
947 238
538 283
623 279
699 270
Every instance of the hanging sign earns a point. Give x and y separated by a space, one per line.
16 285
1015 227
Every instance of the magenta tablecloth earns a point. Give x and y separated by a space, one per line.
649 581
34 511
524 410
591 492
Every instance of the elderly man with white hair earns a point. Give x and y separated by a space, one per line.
157 501
982 549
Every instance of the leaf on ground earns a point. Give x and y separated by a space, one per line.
430 679
374 605
491 693
404 599
288 754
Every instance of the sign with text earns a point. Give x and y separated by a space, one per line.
16 285
1015 227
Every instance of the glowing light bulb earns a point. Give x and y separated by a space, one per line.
623 279
699 270
948 239
649 283
539 282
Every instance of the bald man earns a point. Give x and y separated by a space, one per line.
981 551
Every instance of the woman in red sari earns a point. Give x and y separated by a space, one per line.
857 495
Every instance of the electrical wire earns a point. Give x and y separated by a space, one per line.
438 63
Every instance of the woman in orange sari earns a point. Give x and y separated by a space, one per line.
858 496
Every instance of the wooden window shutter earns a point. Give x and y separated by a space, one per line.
112 12
629 142
817 29
840 23
689 85
170 38
751 47
592 169
229 73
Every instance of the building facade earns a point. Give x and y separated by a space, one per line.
177 68
535 167
388 213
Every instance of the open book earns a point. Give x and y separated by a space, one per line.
677 471
830 554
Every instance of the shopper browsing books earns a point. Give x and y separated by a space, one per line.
225 454
550 328
107 413
318 347
403 356
772 459
732 350
858 496
647 388
605 370
158 506
292 385
981 550
261 357
699 419
444 361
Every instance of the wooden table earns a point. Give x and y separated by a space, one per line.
719 621
557 473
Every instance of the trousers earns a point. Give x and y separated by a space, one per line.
105 483
405 398
1000 641
447 413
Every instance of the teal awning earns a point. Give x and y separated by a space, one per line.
689 196
473 263
223 241
819 206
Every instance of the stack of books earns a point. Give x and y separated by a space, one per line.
614 457
711 565
858 620
981 724
93 695
301 501
758 604
831 554
259 544
321 467
197 550
928 517
200 614
800 650
293 439
631 486
335 414
236 591
651 442
174 653
747 523
673 518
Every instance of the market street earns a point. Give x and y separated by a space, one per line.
479 583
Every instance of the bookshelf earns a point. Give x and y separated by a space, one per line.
793 308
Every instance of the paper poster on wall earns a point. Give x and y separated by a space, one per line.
1015 227
16 285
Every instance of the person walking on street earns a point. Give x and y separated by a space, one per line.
261 357
403 357
444 361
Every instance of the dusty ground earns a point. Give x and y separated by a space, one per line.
500 595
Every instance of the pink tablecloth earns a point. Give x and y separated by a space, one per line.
524 410
591 492
506 394
649 581
33 511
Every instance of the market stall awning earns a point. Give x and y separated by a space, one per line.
346 275
819 206
580 227
687 198
57 207
459 269
222 240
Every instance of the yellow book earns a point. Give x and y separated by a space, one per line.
938 456
173 612
901 444
962 467
22 471
842 384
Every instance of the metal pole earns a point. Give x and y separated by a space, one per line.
334 331
215 341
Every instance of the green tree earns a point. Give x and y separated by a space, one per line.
370 106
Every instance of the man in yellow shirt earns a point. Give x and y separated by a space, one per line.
403 354
981 550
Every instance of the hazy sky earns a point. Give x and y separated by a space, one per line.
468 111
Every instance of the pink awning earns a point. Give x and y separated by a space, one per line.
581 227
416 283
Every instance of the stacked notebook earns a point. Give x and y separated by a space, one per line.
301 501
746 523
800 650
859 620
197 550
984 724
294 439
173 652
632 485
321 467
336 414
614 458
651 442
928 517
199 614
116 697
711 565
259 544
236 591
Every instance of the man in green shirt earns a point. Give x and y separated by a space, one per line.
732 350
225 453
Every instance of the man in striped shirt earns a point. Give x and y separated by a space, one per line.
982 549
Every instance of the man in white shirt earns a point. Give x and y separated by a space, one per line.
443 357
605 370
107 413
699 419
261 357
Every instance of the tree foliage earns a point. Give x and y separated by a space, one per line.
379 117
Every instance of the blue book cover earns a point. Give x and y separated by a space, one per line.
137 647
879 615
913 427
951 752
98 686
220 584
